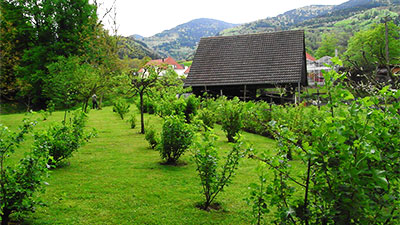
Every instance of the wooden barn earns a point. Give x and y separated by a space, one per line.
239 65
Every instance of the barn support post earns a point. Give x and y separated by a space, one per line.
244 93
299 89
220 92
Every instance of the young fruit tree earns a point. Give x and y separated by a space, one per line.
18 183
214 177
141 83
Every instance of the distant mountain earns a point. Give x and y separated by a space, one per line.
362 3
283 21
181 41
309 15
136 36
133 48
343 20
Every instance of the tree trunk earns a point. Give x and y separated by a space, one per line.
5 218
101 100
141 113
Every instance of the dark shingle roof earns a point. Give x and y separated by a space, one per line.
267 58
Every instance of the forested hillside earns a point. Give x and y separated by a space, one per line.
133 48
340 21
319 21
181 41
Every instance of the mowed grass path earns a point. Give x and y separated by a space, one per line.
117 179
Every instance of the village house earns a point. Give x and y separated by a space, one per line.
167 62
315 68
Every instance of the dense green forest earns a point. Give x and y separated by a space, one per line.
54 51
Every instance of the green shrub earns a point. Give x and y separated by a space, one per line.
351 158
132 121
171 106
214 178
258 199
256 115
148 105
192 103
207 117
62 140
151 137
20 182
121 107
231 117
176 137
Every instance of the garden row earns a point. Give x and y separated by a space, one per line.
349 149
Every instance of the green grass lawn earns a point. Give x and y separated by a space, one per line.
117 179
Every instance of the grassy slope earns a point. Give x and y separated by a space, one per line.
117 179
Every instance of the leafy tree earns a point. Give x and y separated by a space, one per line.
38 33
258 195
19 183
327 46
71 81
366 54
14 40
141 83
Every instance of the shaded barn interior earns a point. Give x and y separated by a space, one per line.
240 65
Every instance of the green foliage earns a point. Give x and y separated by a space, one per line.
71 81
207 117
121 107
135 49
255 115
214 177
350 152
148 105
20 182
367 48
231 116
192 103
141 83
258 195
169 106
327 46
62 140
176 138
152 138
132 121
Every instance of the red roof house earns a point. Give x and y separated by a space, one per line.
167 61
309 57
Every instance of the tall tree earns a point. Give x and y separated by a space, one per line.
51 29
14 40
367 60
327 46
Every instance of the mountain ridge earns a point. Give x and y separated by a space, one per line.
181 41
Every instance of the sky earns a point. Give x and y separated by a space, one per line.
149 17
